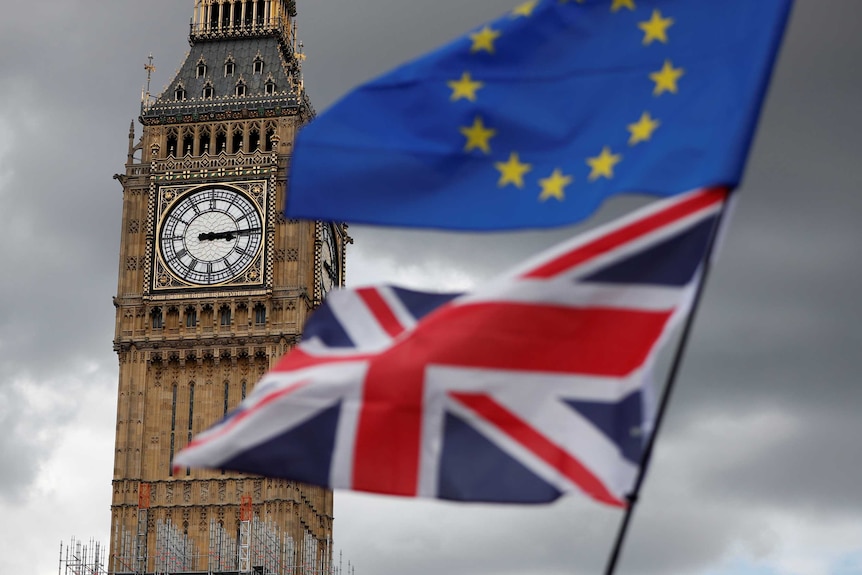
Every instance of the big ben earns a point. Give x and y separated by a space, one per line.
214 285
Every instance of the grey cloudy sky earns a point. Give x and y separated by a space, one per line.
760 466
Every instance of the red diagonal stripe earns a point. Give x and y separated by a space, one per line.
538 444
630 232
588 341
381 311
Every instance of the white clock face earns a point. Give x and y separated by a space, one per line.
211 236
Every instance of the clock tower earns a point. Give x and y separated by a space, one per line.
214 286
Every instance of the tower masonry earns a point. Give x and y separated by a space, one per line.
214 286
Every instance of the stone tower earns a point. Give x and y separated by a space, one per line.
214 286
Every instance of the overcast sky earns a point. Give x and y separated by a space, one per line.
760 468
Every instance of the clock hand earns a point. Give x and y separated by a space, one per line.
228 236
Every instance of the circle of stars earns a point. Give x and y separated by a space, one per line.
514 170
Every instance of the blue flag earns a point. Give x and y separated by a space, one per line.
532 120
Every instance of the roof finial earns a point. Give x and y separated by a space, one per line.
150 68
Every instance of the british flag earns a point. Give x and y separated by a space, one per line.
526 389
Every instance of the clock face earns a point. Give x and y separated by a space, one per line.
211 236
330 275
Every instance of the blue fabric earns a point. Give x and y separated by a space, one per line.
671 263
475 469
420 304
565 81
324 325
303 453
621 422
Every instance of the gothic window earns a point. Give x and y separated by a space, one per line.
207 315
253 140
258 65
180 93
191 418
226 397
270 87
225 316
191 317
270 132
229 67
260 314
221 142
201 71
240 89
208 91
204 141
237 141
172 144
173 428
188 144
158 318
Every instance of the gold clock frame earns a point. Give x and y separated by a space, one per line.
162 279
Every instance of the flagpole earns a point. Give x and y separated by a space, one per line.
633 497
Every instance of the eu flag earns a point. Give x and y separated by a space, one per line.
533 119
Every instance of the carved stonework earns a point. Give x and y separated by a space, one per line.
186 146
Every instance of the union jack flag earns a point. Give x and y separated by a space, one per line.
526 389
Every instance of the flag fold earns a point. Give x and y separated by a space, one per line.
528 388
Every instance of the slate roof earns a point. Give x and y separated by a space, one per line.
278 66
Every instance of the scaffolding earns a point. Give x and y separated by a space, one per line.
80 559
258 547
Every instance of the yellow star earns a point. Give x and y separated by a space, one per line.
478 136
484 40
619 4
655 28
666 78
466 87
525 9
554 186
603 164
642 129
513 171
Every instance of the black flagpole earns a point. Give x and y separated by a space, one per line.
632 498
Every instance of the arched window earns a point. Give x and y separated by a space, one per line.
229 67
240 89
258 64
204 141
270 132
225 316
191 317
253 140
260 314
269 88
191 418
188 144
237 141
172 145
208 91
158 318
173 429
201 70
180 93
